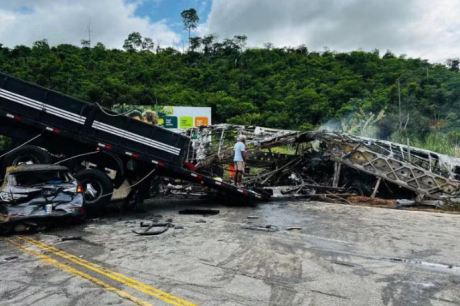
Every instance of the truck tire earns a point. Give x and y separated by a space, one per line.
102 160
111 161
98 188
25 155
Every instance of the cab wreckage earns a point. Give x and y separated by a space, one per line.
328 165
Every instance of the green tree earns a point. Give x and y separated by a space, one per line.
453 64
147 44
190 19
207 42
195 43
133 42
240 41
85 43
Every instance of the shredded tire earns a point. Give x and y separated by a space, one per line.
28 153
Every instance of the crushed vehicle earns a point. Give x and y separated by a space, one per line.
331 165
33 195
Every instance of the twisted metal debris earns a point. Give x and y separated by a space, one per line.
287 163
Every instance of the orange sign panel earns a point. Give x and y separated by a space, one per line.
201 121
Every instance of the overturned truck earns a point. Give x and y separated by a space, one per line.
308 164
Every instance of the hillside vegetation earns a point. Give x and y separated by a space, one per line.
291 88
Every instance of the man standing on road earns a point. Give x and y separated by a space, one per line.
238 159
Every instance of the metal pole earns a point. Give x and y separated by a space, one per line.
376 187
399 105
408 149
336 179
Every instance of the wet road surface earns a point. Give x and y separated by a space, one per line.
285 253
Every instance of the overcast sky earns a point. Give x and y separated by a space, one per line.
419 28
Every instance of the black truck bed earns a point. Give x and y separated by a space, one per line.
35 108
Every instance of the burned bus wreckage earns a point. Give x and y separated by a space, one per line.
328 165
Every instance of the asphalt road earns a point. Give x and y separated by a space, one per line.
338 255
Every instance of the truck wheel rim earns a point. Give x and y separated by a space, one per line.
93 191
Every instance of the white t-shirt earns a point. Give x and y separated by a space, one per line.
239 148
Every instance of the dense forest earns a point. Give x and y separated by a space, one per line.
293 88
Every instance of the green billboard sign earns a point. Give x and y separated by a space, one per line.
170 122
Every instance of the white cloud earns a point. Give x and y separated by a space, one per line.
66 21
418 28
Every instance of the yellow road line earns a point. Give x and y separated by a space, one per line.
69 269
125 280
